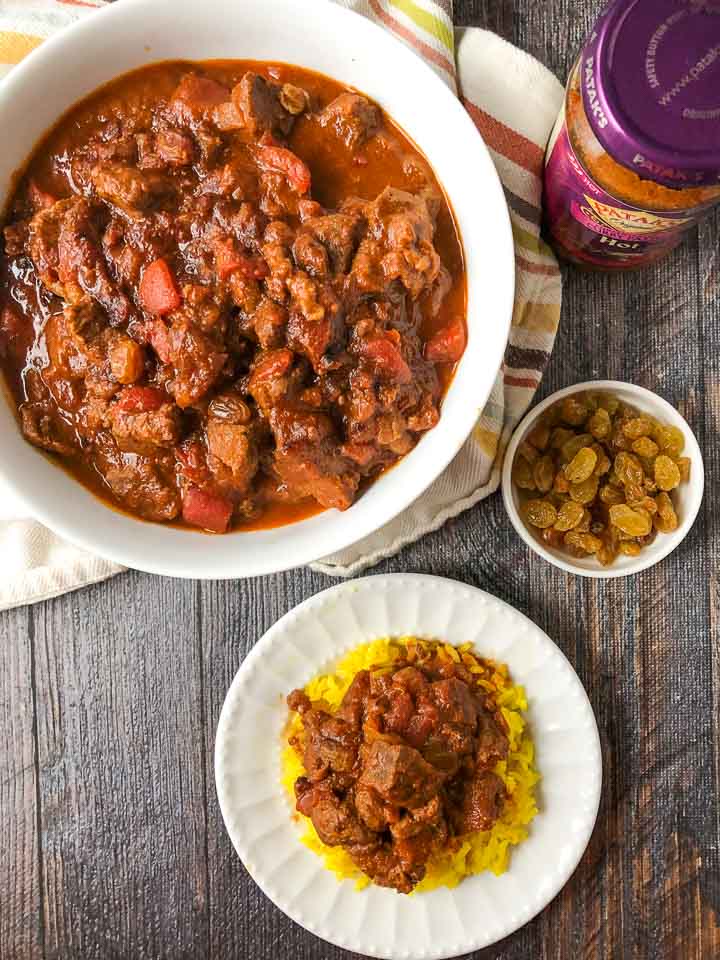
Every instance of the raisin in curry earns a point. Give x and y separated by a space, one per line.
231 294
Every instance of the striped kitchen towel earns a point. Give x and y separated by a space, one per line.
513 100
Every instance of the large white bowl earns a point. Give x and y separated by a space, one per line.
348 47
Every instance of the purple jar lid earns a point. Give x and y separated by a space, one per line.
650 77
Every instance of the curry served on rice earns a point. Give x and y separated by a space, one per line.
231 294
413 760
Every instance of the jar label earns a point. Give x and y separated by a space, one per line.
593 226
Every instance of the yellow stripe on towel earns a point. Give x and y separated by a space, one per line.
15 46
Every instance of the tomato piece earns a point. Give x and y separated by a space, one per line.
228 260
448 344
158 291
286 162
387 358
206 510
141 399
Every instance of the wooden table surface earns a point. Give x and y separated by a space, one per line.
112 841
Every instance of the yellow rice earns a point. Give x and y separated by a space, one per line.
487 850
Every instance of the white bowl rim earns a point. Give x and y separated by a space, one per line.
258 552
665 544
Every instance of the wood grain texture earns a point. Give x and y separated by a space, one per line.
113 844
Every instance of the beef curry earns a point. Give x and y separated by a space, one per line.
231 294
406 766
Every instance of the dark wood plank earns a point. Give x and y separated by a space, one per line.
122 793
21 932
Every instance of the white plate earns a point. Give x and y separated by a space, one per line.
323 37
257 812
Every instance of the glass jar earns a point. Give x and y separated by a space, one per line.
634 159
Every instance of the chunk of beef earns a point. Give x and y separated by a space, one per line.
232 447
128 188
137 482
268 380
64 246
398 245
384 868
353 118
310 255
352 707
87 326
307 459
482 802
260 105
455 701
316 322
281 269
331 746
374 812
399 774
195 97
269 321
492 742
43 425
196 358
145 431
335 819
339 233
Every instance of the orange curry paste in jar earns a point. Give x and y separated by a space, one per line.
634 159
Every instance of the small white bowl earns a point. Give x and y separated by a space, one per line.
687 497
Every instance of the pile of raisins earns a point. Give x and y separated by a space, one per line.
595 477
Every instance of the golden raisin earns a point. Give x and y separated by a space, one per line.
543 474
667 473
628 468
611 494
584 525
552 537
634 523
645 447
607 553
522 474
603 461
560 436
582 543
671 440
539 436
600 424
560 484
582 465
637 427
571 448
683 465
666 519
573 411
569 516
629 548
528 451
585 491
540 513
609 403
